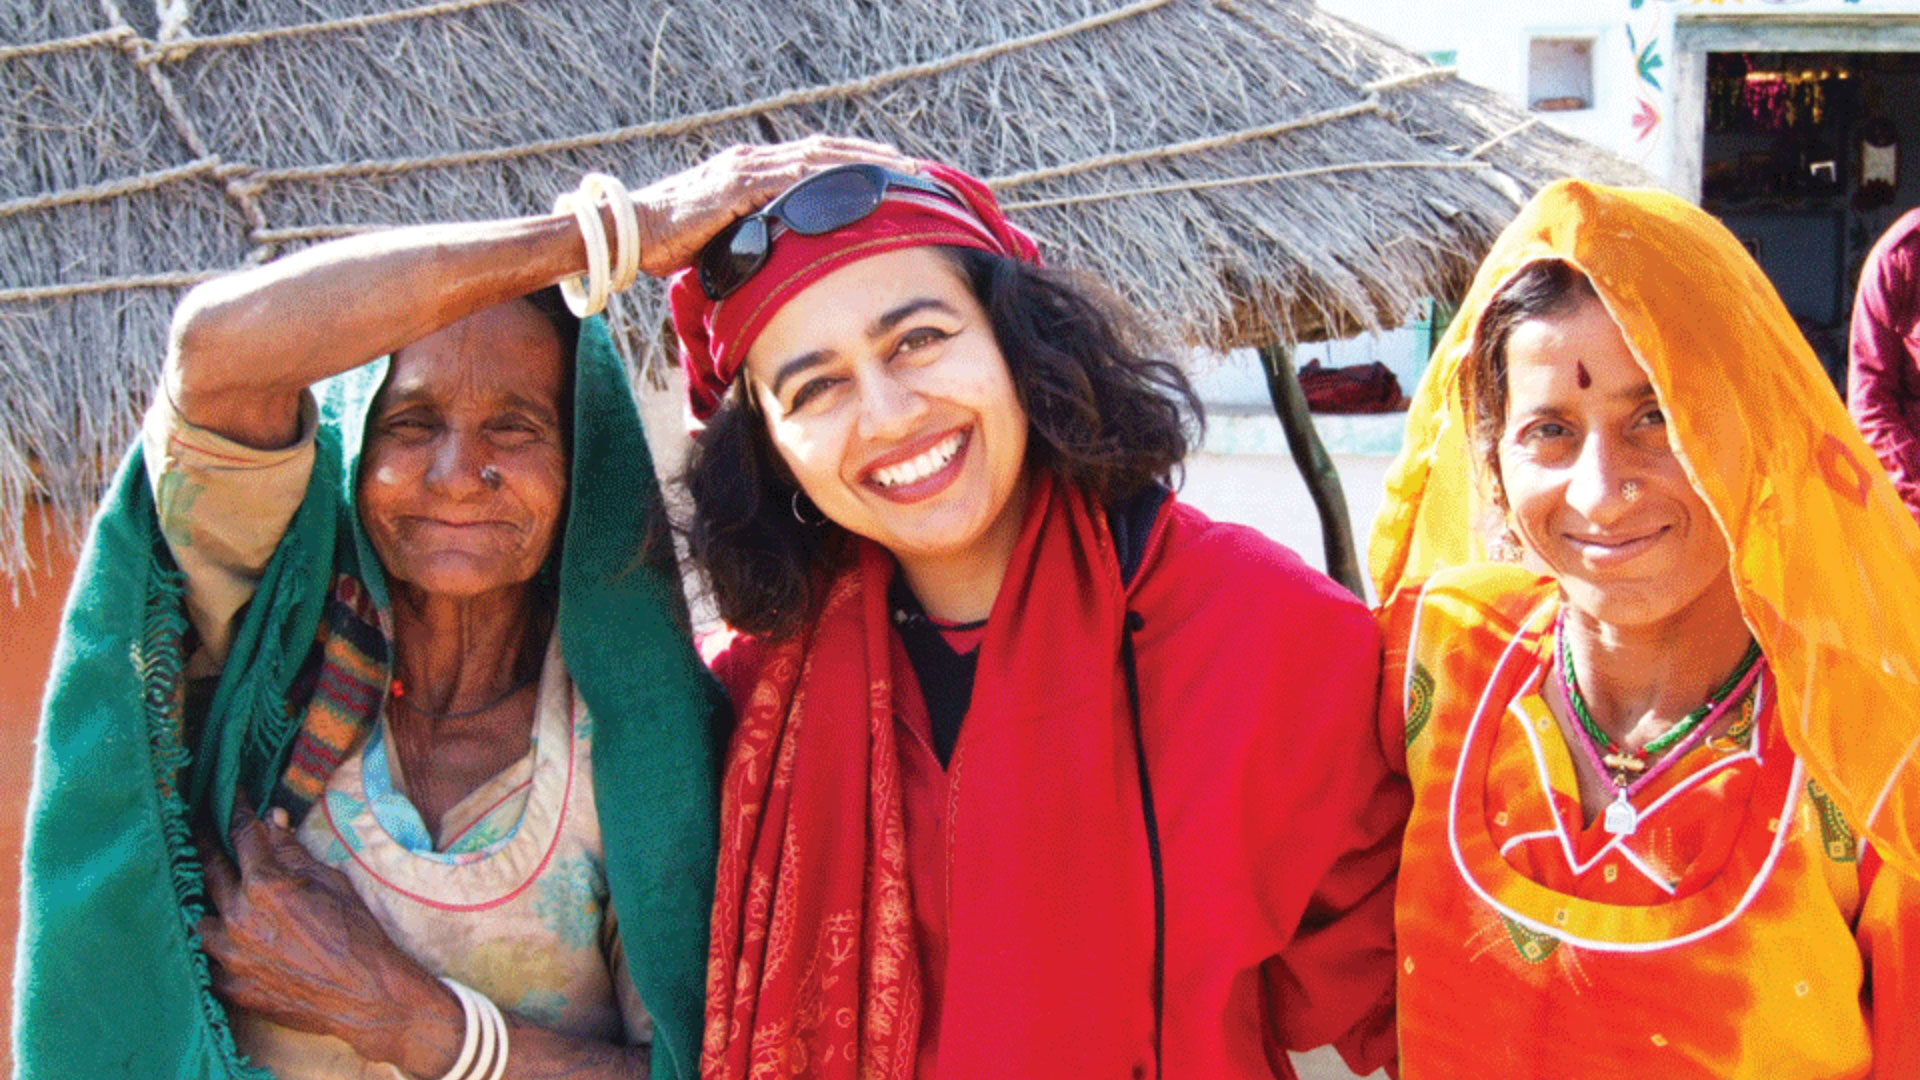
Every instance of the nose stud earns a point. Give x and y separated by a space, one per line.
1630 490
490 476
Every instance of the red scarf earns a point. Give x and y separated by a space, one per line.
814 963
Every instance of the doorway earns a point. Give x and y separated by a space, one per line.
1800 158
1767 99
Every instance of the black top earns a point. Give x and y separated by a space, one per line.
946 676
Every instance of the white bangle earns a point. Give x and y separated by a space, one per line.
626 225
588 299
499 1024
470 1041
484 1060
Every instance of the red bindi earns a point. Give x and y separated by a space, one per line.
1580 369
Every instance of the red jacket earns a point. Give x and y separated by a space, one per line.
1279 818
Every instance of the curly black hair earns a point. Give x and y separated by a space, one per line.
1105 413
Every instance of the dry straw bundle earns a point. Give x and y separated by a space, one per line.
1248 171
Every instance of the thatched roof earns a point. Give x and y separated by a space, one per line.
1247 170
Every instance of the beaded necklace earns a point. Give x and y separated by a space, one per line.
1615 763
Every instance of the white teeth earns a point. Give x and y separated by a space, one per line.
918 468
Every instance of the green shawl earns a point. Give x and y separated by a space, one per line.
110 979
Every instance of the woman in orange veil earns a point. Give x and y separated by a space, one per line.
1653 658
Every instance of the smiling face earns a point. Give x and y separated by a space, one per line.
464 473
887 397
1594 488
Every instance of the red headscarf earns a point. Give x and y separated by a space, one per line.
715 335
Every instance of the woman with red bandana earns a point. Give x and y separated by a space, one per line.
1037 771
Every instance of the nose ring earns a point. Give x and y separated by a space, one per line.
1630 490
490 476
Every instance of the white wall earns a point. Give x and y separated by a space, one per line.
1490 43
1633 111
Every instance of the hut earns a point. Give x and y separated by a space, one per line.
1250 172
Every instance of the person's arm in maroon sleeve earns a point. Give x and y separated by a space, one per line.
1882 374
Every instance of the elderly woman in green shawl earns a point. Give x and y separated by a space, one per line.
406 608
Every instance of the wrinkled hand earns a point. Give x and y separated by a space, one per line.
679 214
290 940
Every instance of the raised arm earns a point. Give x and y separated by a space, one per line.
245 346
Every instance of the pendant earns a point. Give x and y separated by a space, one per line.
1623 763
1621 818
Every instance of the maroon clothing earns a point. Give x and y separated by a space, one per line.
1883 381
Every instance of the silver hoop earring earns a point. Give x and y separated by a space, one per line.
802 518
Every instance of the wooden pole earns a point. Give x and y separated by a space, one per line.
1316 468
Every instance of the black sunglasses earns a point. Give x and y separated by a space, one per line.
823 202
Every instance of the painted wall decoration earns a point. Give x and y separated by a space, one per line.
1645 119
1648 22
1645 35
1646 58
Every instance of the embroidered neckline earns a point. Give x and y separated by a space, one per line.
1593 924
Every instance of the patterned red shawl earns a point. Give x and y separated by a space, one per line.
814 964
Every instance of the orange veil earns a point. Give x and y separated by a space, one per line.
1825 558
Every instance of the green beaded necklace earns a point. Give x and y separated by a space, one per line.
1673 734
